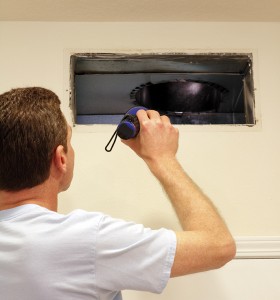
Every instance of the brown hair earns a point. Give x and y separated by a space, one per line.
31 127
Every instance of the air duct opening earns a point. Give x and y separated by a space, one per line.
190 89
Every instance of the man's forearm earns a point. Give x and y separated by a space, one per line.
193 208
205 242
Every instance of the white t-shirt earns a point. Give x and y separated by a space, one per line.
83 255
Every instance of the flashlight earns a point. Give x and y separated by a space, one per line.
128 127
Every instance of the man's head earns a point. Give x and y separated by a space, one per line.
32 126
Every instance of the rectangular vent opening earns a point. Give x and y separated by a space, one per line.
189 88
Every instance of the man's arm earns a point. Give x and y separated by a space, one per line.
205 242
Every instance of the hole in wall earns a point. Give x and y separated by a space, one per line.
189 88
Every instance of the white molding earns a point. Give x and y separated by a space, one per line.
257 247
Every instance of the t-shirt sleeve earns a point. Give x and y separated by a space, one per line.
130 256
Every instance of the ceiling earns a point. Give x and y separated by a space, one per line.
140 10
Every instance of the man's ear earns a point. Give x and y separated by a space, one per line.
60 159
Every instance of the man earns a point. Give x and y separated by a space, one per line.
87 255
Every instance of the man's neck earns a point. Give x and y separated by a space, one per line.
43 195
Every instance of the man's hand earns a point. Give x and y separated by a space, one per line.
157 140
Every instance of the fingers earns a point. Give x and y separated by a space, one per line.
153 115
142 115
158 138
165 119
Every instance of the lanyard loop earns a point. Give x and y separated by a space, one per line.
113 140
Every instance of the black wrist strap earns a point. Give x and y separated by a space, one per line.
113 140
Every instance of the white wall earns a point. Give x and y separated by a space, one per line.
239 168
